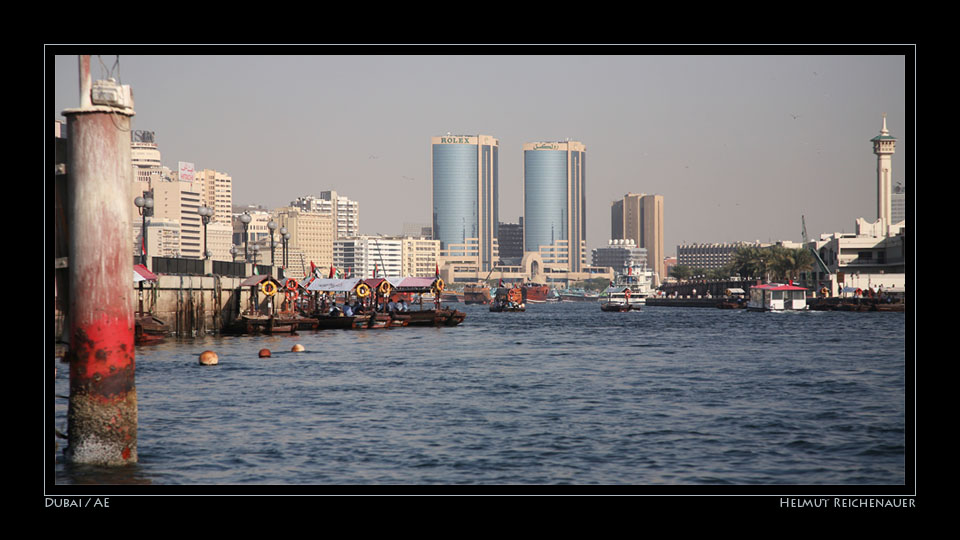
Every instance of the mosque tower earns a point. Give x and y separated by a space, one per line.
884 146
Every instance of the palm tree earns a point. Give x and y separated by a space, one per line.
790 262
751 261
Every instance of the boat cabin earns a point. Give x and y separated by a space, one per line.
777 297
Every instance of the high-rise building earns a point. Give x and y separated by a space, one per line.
364 256
554 202
639 217
465 197
898 204
510 241
884 146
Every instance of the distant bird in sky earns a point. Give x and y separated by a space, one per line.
795 116
372 157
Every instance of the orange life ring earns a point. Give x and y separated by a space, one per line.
292 284
291 295
363 290
268 288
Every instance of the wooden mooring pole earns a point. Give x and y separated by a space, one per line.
102 415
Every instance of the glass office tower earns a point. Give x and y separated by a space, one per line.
554 202
465 196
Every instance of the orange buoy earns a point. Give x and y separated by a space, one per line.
264 353
209 358
297 348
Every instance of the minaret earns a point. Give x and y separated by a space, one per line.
884 146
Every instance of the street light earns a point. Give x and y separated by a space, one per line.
245 219
145 208
272 226
286 241
233 252
206 214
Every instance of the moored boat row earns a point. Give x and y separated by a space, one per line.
322 304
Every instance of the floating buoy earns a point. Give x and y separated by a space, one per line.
264 353
297 348
209 358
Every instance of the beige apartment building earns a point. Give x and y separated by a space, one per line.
311 233
420 256
639 217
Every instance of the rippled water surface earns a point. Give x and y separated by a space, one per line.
560 394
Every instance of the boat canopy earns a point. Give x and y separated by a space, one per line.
330 285
413 284
256 280
733 291
778 287
140 273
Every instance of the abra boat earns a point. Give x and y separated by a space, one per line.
777 297
619 299
420 288
508 300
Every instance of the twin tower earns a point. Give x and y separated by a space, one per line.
466 190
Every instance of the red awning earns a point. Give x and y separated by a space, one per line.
140 273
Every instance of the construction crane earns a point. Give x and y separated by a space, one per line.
820 263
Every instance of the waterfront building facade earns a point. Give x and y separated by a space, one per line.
639 217
554 202
710 256
465 173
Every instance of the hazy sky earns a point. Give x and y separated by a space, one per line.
739 146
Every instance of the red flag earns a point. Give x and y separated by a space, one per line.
331 271
501 283
374 270
437 265
313 267
143 246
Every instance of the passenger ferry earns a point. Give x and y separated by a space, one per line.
777 297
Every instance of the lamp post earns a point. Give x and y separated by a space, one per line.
206 214
286 242
255 249
233 252
245 219
272 226
145 208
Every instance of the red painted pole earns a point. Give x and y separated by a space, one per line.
102 415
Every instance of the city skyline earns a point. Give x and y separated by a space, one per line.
739 146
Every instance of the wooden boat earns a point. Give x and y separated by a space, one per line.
438 316
535 293
149 329
478 293
620 299
508 300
